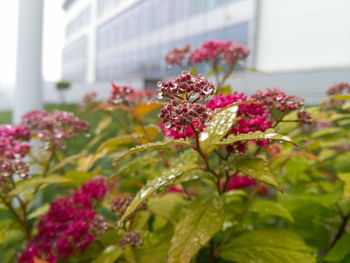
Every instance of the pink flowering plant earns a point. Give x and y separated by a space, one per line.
189 173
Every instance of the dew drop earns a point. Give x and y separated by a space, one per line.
203 136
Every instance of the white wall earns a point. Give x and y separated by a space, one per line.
303 34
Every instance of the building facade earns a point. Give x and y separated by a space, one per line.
292 41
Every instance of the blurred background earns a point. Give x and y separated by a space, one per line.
301 47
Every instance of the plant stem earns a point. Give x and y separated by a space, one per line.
205 158
47 166
161 153
23 223
341 230
212 251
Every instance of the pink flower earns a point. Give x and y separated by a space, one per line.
120 94
56 127
176 56
243 182
69 225
228 52
13 148
183 111
174 189
339 88
277 99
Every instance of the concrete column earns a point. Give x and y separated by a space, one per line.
253 34
28 94
91 49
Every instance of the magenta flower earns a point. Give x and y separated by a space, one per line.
243 182
13 148
69 226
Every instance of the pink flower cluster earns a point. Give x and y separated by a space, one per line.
120 94
243 182
120 205
68 226
172 133
176 56
87 98
13 148
275 98
250 118
90 96
132 238
304 117
186 87
339 88
183 111
228 52
56 127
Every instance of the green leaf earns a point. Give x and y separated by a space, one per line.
143 109
150 146
66 161
346 178
270 208
202 220
77 178
340 250
115 143
106 120
220 123
109 254
269 134
341 97
167 178
39 211
155 254
31 182
151 131
167 206
269 245
254 167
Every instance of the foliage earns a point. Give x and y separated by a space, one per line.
215 178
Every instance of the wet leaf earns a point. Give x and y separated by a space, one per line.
151 146
269 134
168 177
254 167
270 208
203 219
167 206
220 123
143 109
109 255
268 245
